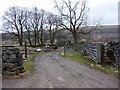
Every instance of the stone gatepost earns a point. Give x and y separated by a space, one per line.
12 61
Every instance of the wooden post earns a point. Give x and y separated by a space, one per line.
25 49
64 49
100 53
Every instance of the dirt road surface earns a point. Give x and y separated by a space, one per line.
53 71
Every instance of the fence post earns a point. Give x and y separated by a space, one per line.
100 53
64 49
25 49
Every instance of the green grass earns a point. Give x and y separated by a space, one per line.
28 63
79 58
108 69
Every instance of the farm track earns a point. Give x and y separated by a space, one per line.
53 71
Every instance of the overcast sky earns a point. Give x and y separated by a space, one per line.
106 10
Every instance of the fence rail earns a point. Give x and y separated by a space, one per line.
95 51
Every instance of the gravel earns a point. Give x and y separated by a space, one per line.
53 71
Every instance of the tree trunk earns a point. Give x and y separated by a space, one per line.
38 41
20 40
29 38
51 39
51 42
20 43
50 32
21 35
75 38
41 38
30 42
35 37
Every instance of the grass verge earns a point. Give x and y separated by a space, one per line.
108 69
28 63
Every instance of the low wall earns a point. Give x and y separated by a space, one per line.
12 61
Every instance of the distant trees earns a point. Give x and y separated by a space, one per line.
42 26
30 24
37 22
28 30
14 20
53 22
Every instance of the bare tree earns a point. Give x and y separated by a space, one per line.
50 22
42 25
37 24
14 19
35 18
27 25
53 22
73 16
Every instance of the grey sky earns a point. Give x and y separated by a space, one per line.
107 10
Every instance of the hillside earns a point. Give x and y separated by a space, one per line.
106 31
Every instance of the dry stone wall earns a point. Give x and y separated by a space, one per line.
12 61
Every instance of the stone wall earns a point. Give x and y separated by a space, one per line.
117 53
12 61
112 52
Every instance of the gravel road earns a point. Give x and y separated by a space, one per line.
53 71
